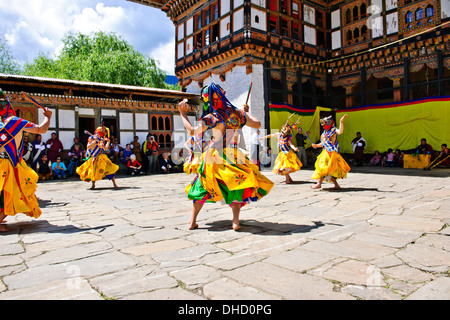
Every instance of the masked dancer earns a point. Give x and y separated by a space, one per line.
17 179
330 165
287 161
225 172
98 165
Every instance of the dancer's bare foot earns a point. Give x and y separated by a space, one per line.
93 186
316 186
236 226
193 226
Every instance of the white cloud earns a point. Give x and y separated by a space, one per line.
165 54
30 26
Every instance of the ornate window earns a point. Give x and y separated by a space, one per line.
419 14
429 11
348 16
409 17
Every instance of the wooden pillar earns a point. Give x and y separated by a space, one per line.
349 99
397 89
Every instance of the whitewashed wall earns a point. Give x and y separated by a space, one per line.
335 19
238 20
223 27
262 24
224 7
445 9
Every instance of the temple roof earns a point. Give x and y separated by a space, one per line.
151 3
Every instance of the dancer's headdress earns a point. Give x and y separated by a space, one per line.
99 132
5 105
290 126
213 97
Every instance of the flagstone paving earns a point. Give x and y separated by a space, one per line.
385 235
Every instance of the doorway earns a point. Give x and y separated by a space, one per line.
85 124
111 124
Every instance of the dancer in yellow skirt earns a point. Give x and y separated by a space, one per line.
196 150
17 180
330 165
225 173
287 161
98 165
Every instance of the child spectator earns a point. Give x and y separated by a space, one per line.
376 159
59 168
133 166
388 161
44 168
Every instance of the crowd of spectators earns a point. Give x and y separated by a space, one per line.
50 161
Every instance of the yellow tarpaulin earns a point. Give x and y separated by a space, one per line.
397 126
309 120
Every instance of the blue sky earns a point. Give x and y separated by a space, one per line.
33 26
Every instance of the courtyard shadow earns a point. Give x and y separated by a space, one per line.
113 189
50 204
264 227
351 189
43 226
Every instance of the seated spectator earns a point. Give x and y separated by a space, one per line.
75 158
44 168
388 160
444 158
267 159
164 163
376 159
127 152
398 158
424 147
27 150
133 166
116 150
59 168
76 141
38 149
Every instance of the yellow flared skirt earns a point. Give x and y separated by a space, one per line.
330 165
18 187
286 163
228 176
191 166
94 170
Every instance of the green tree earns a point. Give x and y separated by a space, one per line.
99 57
7 62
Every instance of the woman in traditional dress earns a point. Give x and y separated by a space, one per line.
225 172
287 161
98 165
17 179
330 165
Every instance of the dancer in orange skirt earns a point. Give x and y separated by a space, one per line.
330 165
98 166
287 161
17 180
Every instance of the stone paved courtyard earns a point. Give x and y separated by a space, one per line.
385 235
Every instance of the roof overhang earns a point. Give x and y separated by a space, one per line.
151 3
